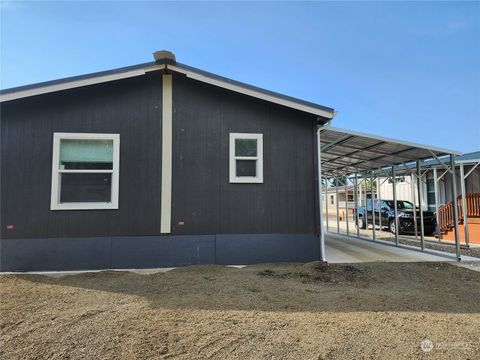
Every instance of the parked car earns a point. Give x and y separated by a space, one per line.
406 224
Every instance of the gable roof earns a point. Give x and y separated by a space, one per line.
324 112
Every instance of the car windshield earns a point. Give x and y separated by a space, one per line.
404 205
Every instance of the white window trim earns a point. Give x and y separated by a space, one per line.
259 158
55 194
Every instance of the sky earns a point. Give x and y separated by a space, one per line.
405 70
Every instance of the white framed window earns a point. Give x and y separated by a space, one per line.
246 158
85 171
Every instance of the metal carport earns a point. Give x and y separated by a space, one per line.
359 156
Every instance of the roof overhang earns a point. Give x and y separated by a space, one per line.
324 113
345 152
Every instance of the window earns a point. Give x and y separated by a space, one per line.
85 171
431 192
246 158
331 199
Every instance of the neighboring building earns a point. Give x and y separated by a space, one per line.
156 165
407 186
407 190
330 202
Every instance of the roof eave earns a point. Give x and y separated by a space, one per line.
325 114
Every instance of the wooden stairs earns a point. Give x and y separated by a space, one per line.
473 219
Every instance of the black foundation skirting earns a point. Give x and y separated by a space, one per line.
154 251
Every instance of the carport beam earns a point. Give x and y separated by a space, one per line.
395 211
419 190
455 209
464 203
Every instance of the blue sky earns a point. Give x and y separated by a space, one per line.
407 70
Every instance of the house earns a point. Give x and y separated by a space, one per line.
161 164
156 165
346 200
407 189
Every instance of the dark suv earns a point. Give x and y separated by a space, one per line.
405 215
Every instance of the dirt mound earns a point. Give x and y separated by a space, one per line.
321 271
315 266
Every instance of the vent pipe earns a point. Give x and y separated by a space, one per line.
163 55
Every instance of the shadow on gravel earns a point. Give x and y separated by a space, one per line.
311 287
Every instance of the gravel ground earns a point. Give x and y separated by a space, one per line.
269 311
432 244
470 251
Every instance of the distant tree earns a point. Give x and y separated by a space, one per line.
340 181
371 186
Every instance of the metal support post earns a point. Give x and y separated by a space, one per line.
437 208
379 203
366 201
395 209
346 205
327 200
373 206
338 218
464 203
412 182
419 189
455 209
322 254
356 203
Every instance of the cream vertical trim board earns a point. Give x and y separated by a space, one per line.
166 205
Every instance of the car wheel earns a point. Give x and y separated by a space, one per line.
391 226
361 223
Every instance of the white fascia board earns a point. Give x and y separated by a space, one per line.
251 92
390 140
77 83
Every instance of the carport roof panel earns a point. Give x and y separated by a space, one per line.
345 151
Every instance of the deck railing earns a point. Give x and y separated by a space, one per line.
445 213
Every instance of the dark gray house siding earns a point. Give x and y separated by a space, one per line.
203 198
213 221
131 108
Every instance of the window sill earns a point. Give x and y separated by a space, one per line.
246 180
84 206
